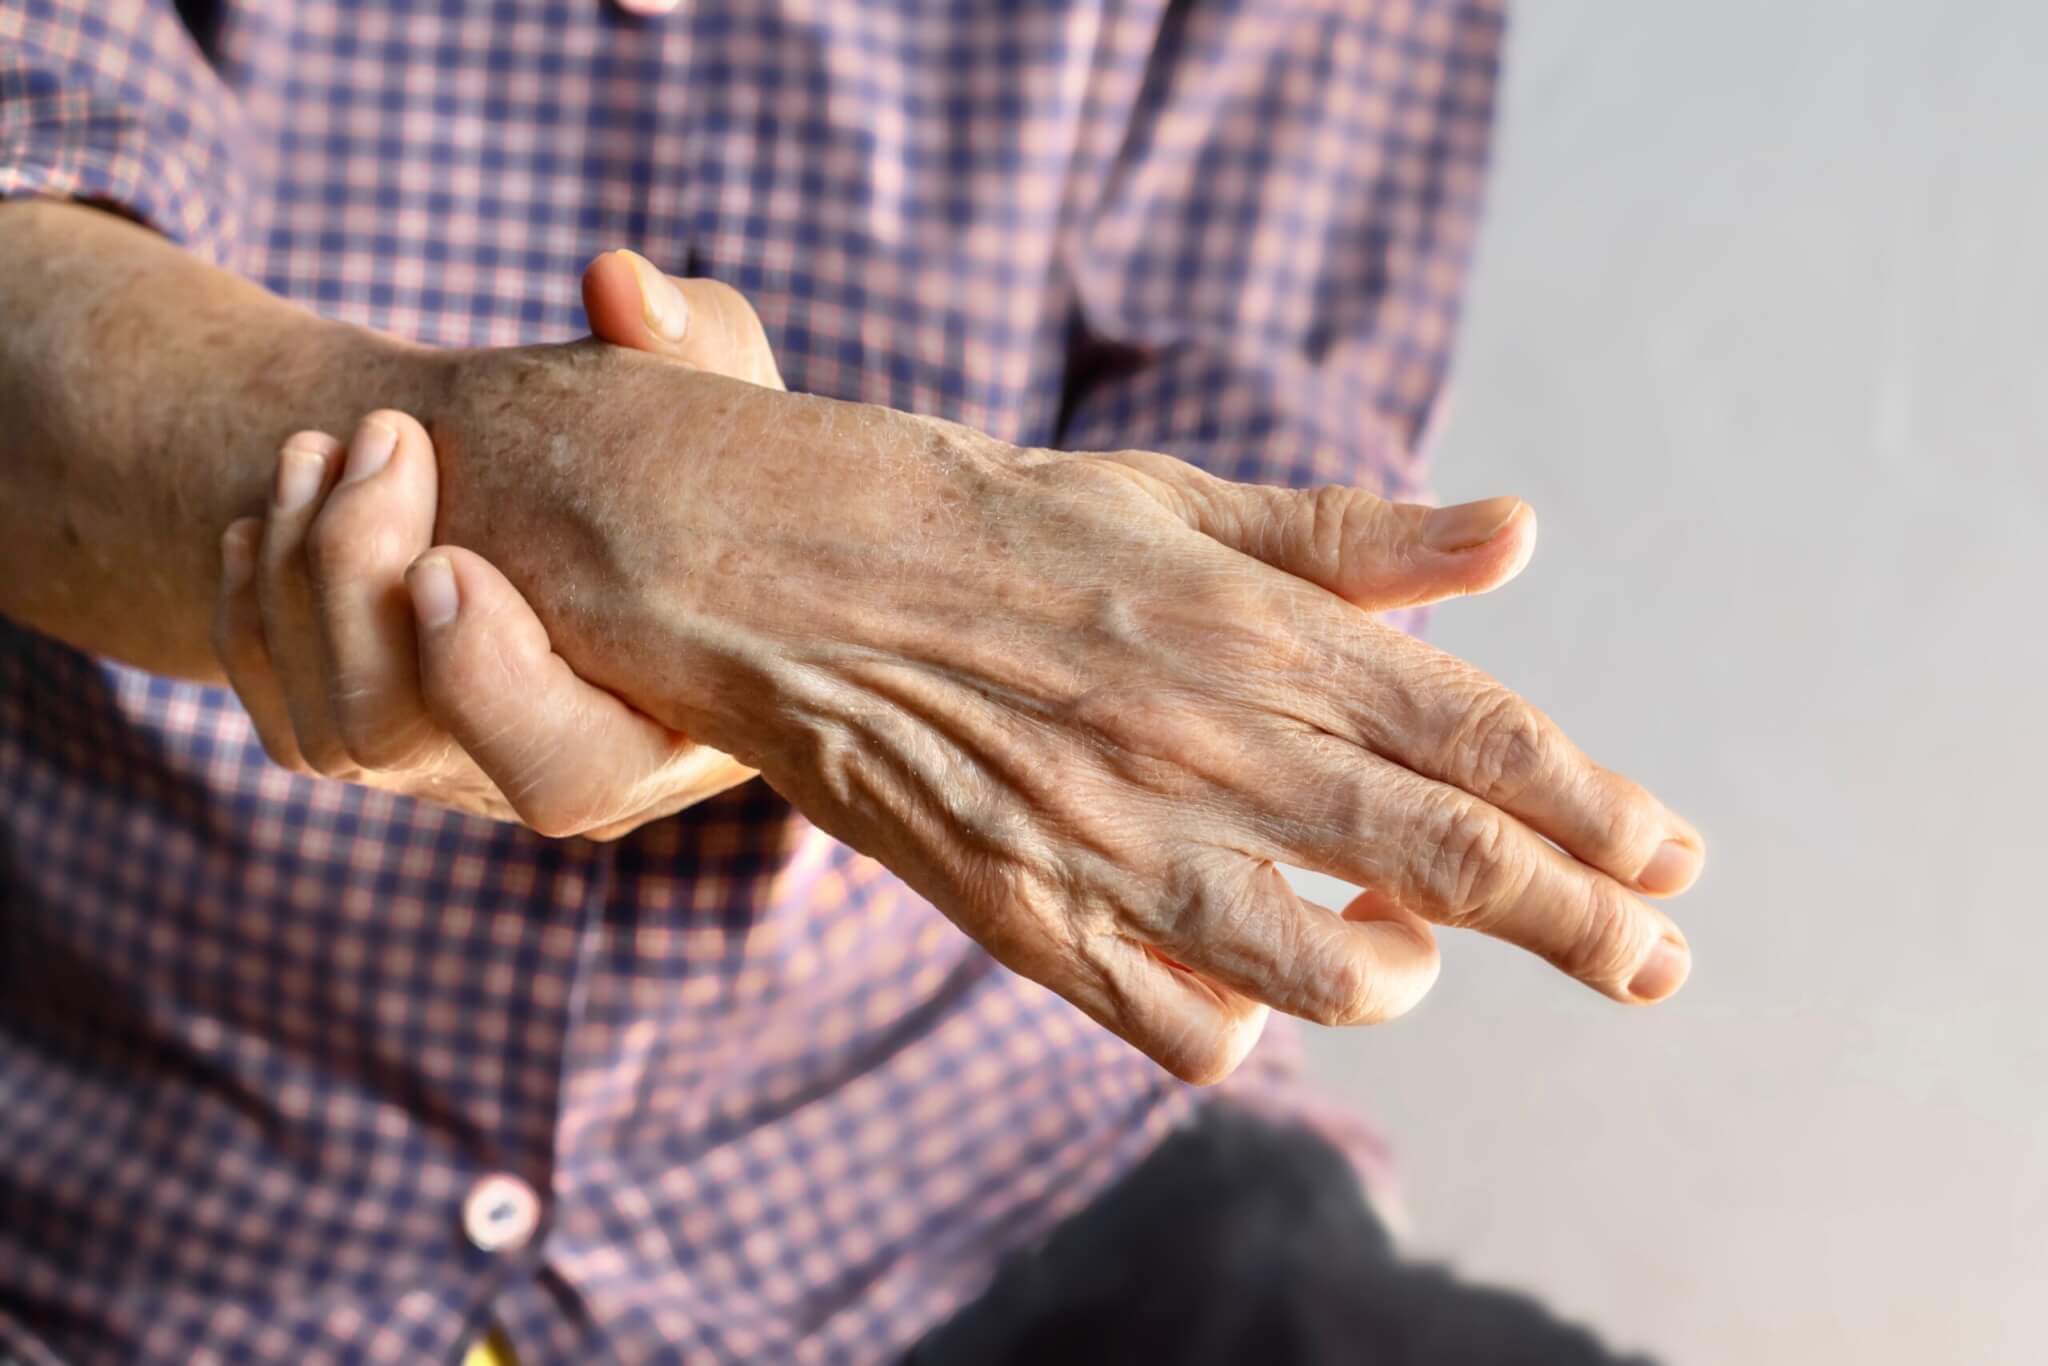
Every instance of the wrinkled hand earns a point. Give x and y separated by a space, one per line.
361 654
1084 704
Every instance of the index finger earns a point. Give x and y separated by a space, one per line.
1458 861
1446 720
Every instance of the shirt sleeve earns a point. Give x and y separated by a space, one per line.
112 102
1268 270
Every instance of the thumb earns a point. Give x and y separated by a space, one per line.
1378 554
702 323
568 756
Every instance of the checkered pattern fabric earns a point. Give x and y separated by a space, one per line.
260 1034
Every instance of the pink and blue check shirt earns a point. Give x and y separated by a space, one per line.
262 1036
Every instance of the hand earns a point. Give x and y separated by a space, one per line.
1084 704
455 697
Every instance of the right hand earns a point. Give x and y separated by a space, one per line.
1083 703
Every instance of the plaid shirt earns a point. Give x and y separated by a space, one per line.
748 1098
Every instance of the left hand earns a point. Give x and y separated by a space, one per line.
364 659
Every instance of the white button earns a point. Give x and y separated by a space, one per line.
500 1213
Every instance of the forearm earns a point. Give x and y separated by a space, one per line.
143 397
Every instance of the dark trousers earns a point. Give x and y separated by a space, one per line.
1239 1242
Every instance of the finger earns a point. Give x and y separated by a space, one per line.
1449 721
1235 920
378 519
238 642
1377 554
306 467
1194 1028
1435 714
702 323
649 8
1441 853
697 776
570 757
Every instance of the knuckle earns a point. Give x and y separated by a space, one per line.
373 735
467 668
368 748
345 540
1120 483
551 819
1347 993
1615 832
1200 1056
547 805
549 792
1196 908
1604 944
1622 819
1166 921
1143 739
331 760
1329 518
1355 804
1361 991
1209 627
1470 863
1504 745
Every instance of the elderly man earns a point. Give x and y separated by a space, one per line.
499 1008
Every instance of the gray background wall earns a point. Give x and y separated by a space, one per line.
1758 329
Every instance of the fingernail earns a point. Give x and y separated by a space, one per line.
1662 973
1465 525
432 584
660 301
1670 870
369 452
300 472
649 8
237 554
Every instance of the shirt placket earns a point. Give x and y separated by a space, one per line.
508 1216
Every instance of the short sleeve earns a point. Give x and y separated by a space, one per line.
1268 270
112 102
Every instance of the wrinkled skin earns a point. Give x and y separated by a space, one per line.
313 627
1063 696
1083 703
